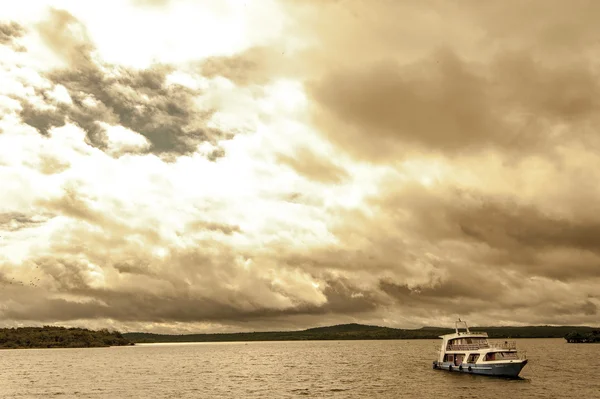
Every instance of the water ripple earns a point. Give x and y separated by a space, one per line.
317 369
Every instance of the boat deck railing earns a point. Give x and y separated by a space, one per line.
466 347
482 345
504 345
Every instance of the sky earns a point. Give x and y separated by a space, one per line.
181 166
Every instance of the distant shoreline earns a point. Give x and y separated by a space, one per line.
358 332
59 337
62 337
577 337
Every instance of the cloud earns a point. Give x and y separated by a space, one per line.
152 3
446 104
142 101
41 119
67 37
13 221
314 167
499 231
420 251
452 78
254 66
550 28
9 32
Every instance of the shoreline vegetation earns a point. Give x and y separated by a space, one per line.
360 332
62 337
577 337
59 337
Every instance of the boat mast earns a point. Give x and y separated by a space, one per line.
456 324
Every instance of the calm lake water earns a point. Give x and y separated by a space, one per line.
314 369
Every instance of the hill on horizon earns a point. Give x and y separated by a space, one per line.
355 331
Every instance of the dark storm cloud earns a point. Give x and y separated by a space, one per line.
506 224
444 103
589 308
544 309
424 301
343 297
148 307
501 232
550 26
446 108
133 268
499 222
452 78
139 100
430 250
469 284
183 305
41 119
383 256
134 307
142 102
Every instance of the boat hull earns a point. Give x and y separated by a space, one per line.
510 370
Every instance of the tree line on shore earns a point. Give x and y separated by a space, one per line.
62 337
59 337
359 332
578 337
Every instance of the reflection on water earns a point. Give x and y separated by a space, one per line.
316 369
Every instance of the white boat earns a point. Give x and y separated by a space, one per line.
472 353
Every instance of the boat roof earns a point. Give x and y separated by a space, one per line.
464 334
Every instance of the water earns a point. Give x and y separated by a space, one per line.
315 369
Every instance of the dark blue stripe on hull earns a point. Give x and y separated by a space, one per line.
500 370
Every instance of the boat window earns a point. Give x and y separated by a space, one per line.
506 356
456 359
473 358
467 343
501 356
